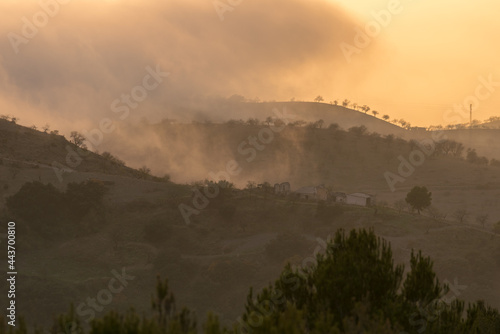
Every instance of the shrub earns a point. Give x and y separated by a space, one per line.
495 162
49 211
358 130
81 197
108 156
38 202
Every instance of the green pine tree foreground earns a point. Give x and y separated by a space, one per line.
353 288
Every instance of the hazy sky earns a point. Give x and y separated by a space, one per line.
82 57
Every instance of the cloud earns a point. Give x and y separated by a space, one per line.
91 52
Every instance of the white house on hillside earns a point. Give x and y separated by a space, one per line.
359 199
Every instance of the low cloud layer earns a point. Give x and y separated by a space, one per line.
92 52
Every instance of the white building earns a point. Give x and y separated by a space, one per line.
359 199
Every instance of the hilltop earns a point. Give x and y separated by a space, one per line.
345 116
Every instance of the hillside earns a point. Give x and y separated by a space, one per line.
345 117
242 238
485 141
349 161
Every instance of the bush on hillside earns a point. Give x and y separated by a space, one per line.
50 211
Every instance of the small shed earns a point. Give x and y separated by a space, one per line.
306 193
312 193
359 199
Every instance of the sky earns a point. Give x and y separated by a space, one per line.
72 63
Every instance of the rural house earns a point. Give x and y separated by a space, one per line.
359 199
318 193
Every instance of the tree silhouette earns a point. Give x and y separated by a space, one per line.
419 198
164 302
319 99
78 139
375 113
386 117
482 219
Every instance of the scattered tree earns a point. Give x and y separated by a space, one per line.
112 158
461 215
482 219
78 139
434 212
400 205
472 157
419 198
145 171
333 127
319 99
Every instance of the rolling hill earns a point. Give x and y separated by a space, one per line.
245 237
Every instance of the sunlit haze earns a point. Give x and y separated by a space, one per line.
424 60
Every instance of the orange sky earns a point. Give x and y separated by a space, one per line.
430 58
427 59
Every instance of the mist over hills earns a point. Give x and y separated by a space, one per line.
212 262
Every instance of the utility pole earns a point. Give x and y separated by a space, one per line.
470 122
470 126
